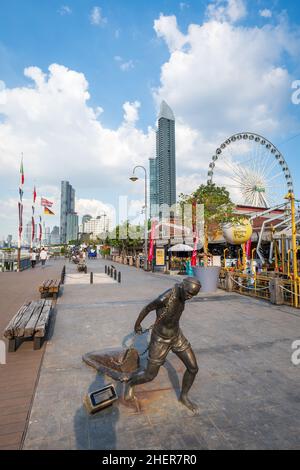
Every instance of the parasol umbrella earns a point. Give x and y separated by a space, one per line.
181 247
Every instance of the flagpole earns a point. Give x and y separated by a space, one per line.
20 207
19 254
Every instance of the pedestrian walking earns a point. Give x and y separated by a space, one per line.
43 257
33 258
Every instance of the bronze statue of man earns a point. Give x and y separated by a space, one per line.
167 336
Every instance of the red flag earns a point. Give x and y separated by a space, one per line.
33 229
34 195
194 255
194 221
151 246
248 248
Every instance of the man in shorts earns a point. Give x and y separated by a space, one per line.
167 336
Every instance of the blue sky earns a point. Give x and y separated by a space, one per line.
124 58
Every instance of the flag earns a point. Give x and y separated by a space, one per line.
47 211
194 221
21 192
34 195
22 172
151 246
20 206
33 229
194 255
248 248
45 202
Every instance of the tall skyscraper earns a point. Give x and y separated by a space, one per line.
163 167
68 216
54 236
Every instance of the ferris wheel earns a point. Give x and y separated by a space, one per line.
252 169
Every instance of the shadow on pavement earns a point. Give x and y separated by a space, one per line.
97 431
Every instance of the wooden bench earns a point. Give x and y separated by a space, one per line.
31 321
50 288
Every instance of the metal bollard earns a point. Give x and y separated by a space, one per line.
63 274
108 271
91 278
115 274
105 269
119 277
111 272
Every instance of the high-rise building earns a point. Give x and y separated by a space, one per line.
28 233
153 187
54 236
163 167
9 241
67 208
96 227
46 236
72 227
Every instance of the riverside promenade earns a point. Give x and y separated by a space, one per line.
18 377
247 388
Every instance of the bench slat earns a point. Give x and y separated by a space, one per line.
20 329
40 327
30 327
15 321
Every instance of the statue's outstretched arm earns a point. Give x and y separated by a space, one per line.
154 305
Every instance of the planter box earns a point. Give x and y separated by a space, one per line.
208 276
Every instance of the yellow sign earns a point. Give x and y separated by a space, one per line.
160 257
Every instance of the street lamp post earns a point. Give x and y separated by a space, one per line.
135 178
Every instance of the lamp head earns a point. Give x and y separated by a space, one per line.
133 178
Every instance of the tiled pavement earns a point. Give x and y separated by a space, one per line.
18 376
247 388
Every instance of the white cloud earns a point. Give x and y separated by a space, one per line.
166 28
94 207
125 66
266 13
227 10
220 79
227 77
64 10
96 17
61 136
131 114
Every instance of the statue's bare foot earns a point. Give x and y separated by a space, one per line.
128 394
189 404
131 398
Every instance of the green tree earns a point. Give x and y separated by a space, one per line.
218 209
